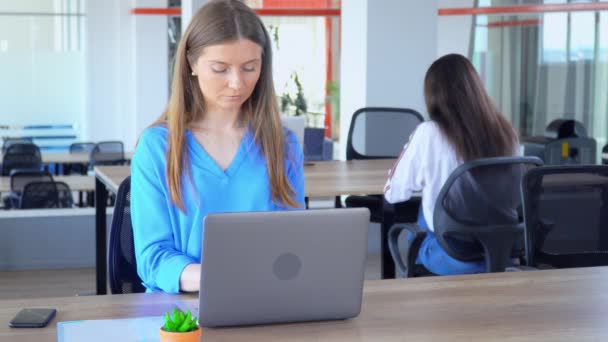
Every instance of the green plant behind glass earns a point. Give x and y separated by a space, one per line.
299 102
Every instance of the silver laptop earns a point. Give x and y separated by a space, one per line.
282 266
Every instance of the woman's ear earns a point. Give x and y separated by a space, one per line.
191 63
192 68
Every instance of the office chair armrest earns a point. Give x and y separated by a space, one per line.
520 269
13 200
328 149
413 246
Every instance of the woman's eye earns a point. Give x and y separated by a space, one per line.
219 71
249 69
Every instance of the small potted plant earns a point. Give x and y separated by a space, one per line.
182 327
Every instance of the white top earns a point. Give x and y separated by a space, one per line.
426 162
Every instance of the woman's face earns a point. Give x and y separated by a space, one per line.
227 74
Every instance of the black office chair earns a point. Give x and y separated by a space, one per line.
476 216
80 147
605 152
21 156
46 194
38 195
64 195
380 133
316 145
566 216
19 179
122 263
13 141
107 153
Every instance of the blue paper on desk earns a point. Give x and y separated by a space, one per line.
129 329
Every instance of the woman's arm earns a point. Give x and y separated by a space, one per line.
295 167
405 176
159 263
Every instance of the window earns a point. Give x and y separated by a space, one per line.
42 62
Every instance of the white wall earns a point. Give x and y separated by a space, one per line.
48 238
127 69
353 76
454 32
189 7
387 47
102 119
401 45
151 68
42 76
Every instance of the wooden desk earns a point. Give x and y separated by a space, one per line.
69 158
557 305
76 183
323 178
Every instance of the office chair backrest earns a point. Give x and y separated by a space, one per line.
81 147
316 145
122 263
25 147
296 124
64 195
476 214
13 141
377 133
604 153
565 128
566 216
571 151
21 177
38 195
107 153
21 156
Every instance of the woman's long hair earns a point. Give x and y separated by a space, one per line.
457 101
218 22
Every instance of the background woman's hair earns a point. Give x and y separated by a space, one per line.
218 22
457 101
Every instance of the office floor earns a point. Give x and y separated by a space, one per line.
46 283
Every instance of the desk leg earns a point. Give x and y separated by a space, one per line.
101 197
603 236
387 265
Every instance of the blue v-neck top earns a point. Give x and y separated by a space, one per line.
167 239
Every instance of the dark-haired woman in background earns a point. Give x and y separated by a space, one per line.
465 125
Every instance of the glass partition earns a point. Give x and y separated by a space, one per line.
545 62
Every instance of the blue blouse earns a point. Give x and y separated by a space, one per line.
167 239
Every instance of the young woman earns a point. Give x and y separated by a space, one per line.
464 125
219 147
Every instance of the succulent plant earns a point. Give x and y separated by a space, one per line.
180 322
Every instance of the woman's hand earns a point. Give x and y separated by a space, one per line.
189 281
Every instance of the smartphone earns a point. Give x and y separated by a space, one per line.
32 318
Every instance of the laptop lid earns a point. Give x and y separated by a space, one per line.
282 266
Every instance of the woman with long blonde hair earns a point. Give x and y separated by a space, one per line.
219 147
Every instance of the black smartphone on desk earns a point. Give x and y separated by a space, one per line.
32 318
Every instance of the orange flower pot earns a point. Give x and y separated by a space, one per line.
190 336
